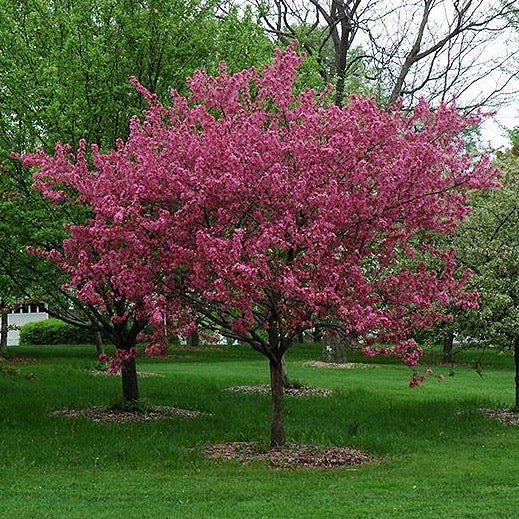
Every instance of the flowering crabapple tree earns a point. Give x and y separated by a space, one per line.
112 314
251 212
94 271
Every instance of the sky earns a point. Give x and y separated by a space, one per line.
493 130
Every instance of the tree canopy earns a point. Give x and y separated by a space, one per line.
259 214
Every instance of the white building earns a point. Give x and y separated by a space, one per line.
22 315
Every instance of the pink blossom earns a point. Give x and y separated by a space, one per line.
247 209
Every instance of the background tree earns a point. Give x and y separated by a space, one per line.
488 243
425 48
261 215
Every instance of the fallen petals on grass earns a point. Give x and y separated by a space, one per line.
290 456
198 349
505 415
106 415
141 374
289 391
336 365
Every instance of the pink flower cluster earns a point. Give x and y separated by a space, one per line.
122 357
262 214
418 379
408 351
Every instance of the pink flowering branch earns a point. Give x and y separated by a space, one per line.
259 214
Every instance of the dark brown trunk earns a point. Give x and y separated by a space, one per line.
448 343
193 340
317 334
3 332
98 340
339 85
277 429
341 68
300 337
516 360
129 380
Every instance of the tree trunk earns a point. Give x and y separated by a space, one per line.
341 73
448 342
334 348
340 350
3 331
193 340
98 340
317 334
277 429
516 360
284 370
129 380
301 337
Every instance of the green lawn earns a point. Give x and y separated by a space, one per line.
440 456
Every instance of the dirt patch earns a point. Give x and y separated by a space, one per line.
141 374
106 415
505 415
334 365
291 456
289 391
18 361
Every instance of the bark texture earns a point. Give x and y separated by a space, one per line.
334 349
277 430
193 340
448 342
3 331
129 381
98 340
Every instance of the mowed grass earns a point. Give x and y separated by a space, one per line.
440 456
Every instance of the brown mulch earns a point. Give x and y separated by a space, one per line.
505 415
141 374
289 391
19 361
335 365
105 415
290 456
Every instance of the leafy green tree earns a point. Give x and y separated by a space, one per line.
64 66
488 242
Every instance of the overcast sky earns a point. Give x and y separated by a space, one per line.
493 130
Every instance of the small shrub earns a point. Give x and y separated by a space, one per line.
53 331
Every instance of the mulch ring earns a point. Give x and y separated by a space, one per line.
106 415
505 415
141 374
289 391
335 365
18 361
290 456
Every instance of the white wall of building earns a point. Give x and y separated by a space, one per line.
24 314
